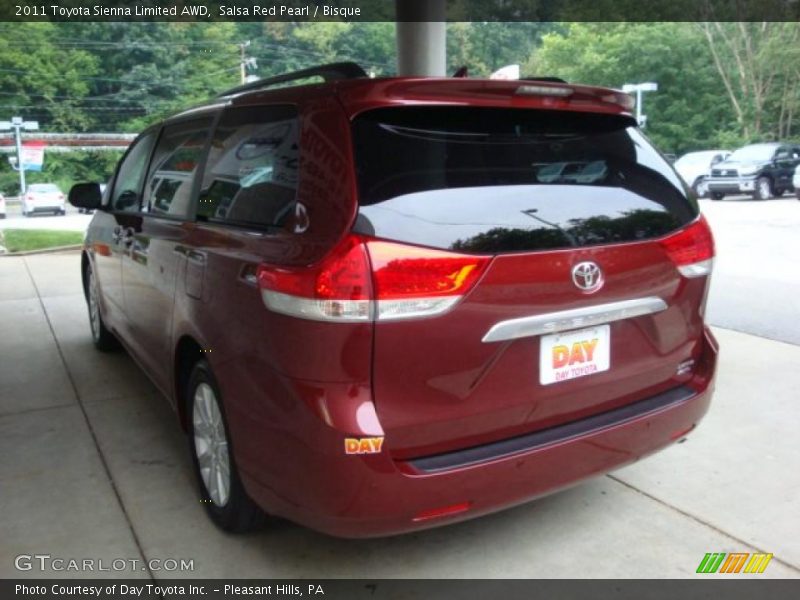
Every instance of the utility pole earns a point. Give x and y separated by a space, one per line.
18 124
245 62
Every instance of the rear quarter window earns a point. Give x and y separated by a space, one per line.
251 174
491 180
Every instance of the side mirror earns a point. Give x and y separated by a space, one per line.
86 195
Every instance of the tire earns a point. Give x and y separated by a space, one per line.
103 339
221 489
797 193
717 195
699 188
764 189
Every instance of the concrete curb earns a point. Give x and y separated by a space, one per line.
54 250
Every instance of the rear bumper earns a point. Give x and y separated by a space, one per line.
374 495
34 208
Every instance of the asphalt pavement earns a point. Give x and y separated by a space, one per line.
755 287
72 221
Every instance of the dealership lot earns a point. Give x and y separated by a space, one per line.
94 465
72 221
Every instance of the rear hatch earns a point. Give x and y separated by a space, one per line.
45 196
558 211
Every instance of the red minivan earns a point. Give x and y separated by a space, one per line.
381 305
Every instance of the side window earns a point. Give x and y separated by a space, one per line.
782 153
172 171
128 185
251 175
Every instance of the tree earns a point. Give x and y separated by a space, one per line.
759 66
485 47
43 79
685 114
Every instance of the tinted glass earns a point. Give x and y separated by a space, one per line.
753 152
44 187
508 180
251 175
130 176
176 159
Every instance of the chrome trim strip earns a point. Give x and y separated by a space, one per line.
576 318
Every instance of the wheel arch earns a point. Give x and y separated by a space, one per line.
85 262
188 352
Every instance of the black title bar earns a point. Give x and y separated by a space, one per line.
410 10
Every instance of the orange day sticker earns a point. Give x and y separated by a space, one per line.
370 445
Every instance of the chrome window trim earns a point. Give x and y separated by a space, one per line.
564 320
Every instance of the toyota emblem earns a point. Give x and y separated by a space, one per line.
587 276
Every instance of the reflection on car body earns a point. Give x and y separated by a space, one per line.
571 172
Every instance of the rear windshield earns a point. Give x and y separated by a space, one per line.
491 180
43 187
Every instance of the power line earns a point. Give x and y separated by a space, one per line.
140 83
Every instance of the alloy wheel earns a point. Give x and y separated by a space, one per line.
94 309
764 190
211 444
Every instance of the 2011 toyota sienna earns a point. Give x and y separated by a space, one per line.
380 305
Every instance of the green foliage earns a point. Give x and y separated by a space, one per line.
689 110
486 47
25 240
63 169
123 76
42 80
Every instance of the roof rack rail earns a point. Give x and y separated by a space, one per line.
329 72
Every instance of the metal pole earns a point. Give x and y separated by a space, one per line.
20 166
421 38
242 75
639 107
243 61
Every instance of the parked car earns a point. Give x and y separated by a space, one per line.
761 170
796 181
694 168
372 317
2 206
43 197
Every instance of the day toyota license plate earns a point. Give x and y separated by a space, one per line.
574 354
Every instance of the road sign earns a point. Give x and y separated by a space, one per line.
33 156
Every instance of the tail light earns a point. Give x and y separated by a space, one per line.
365 279
337 289
691 249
